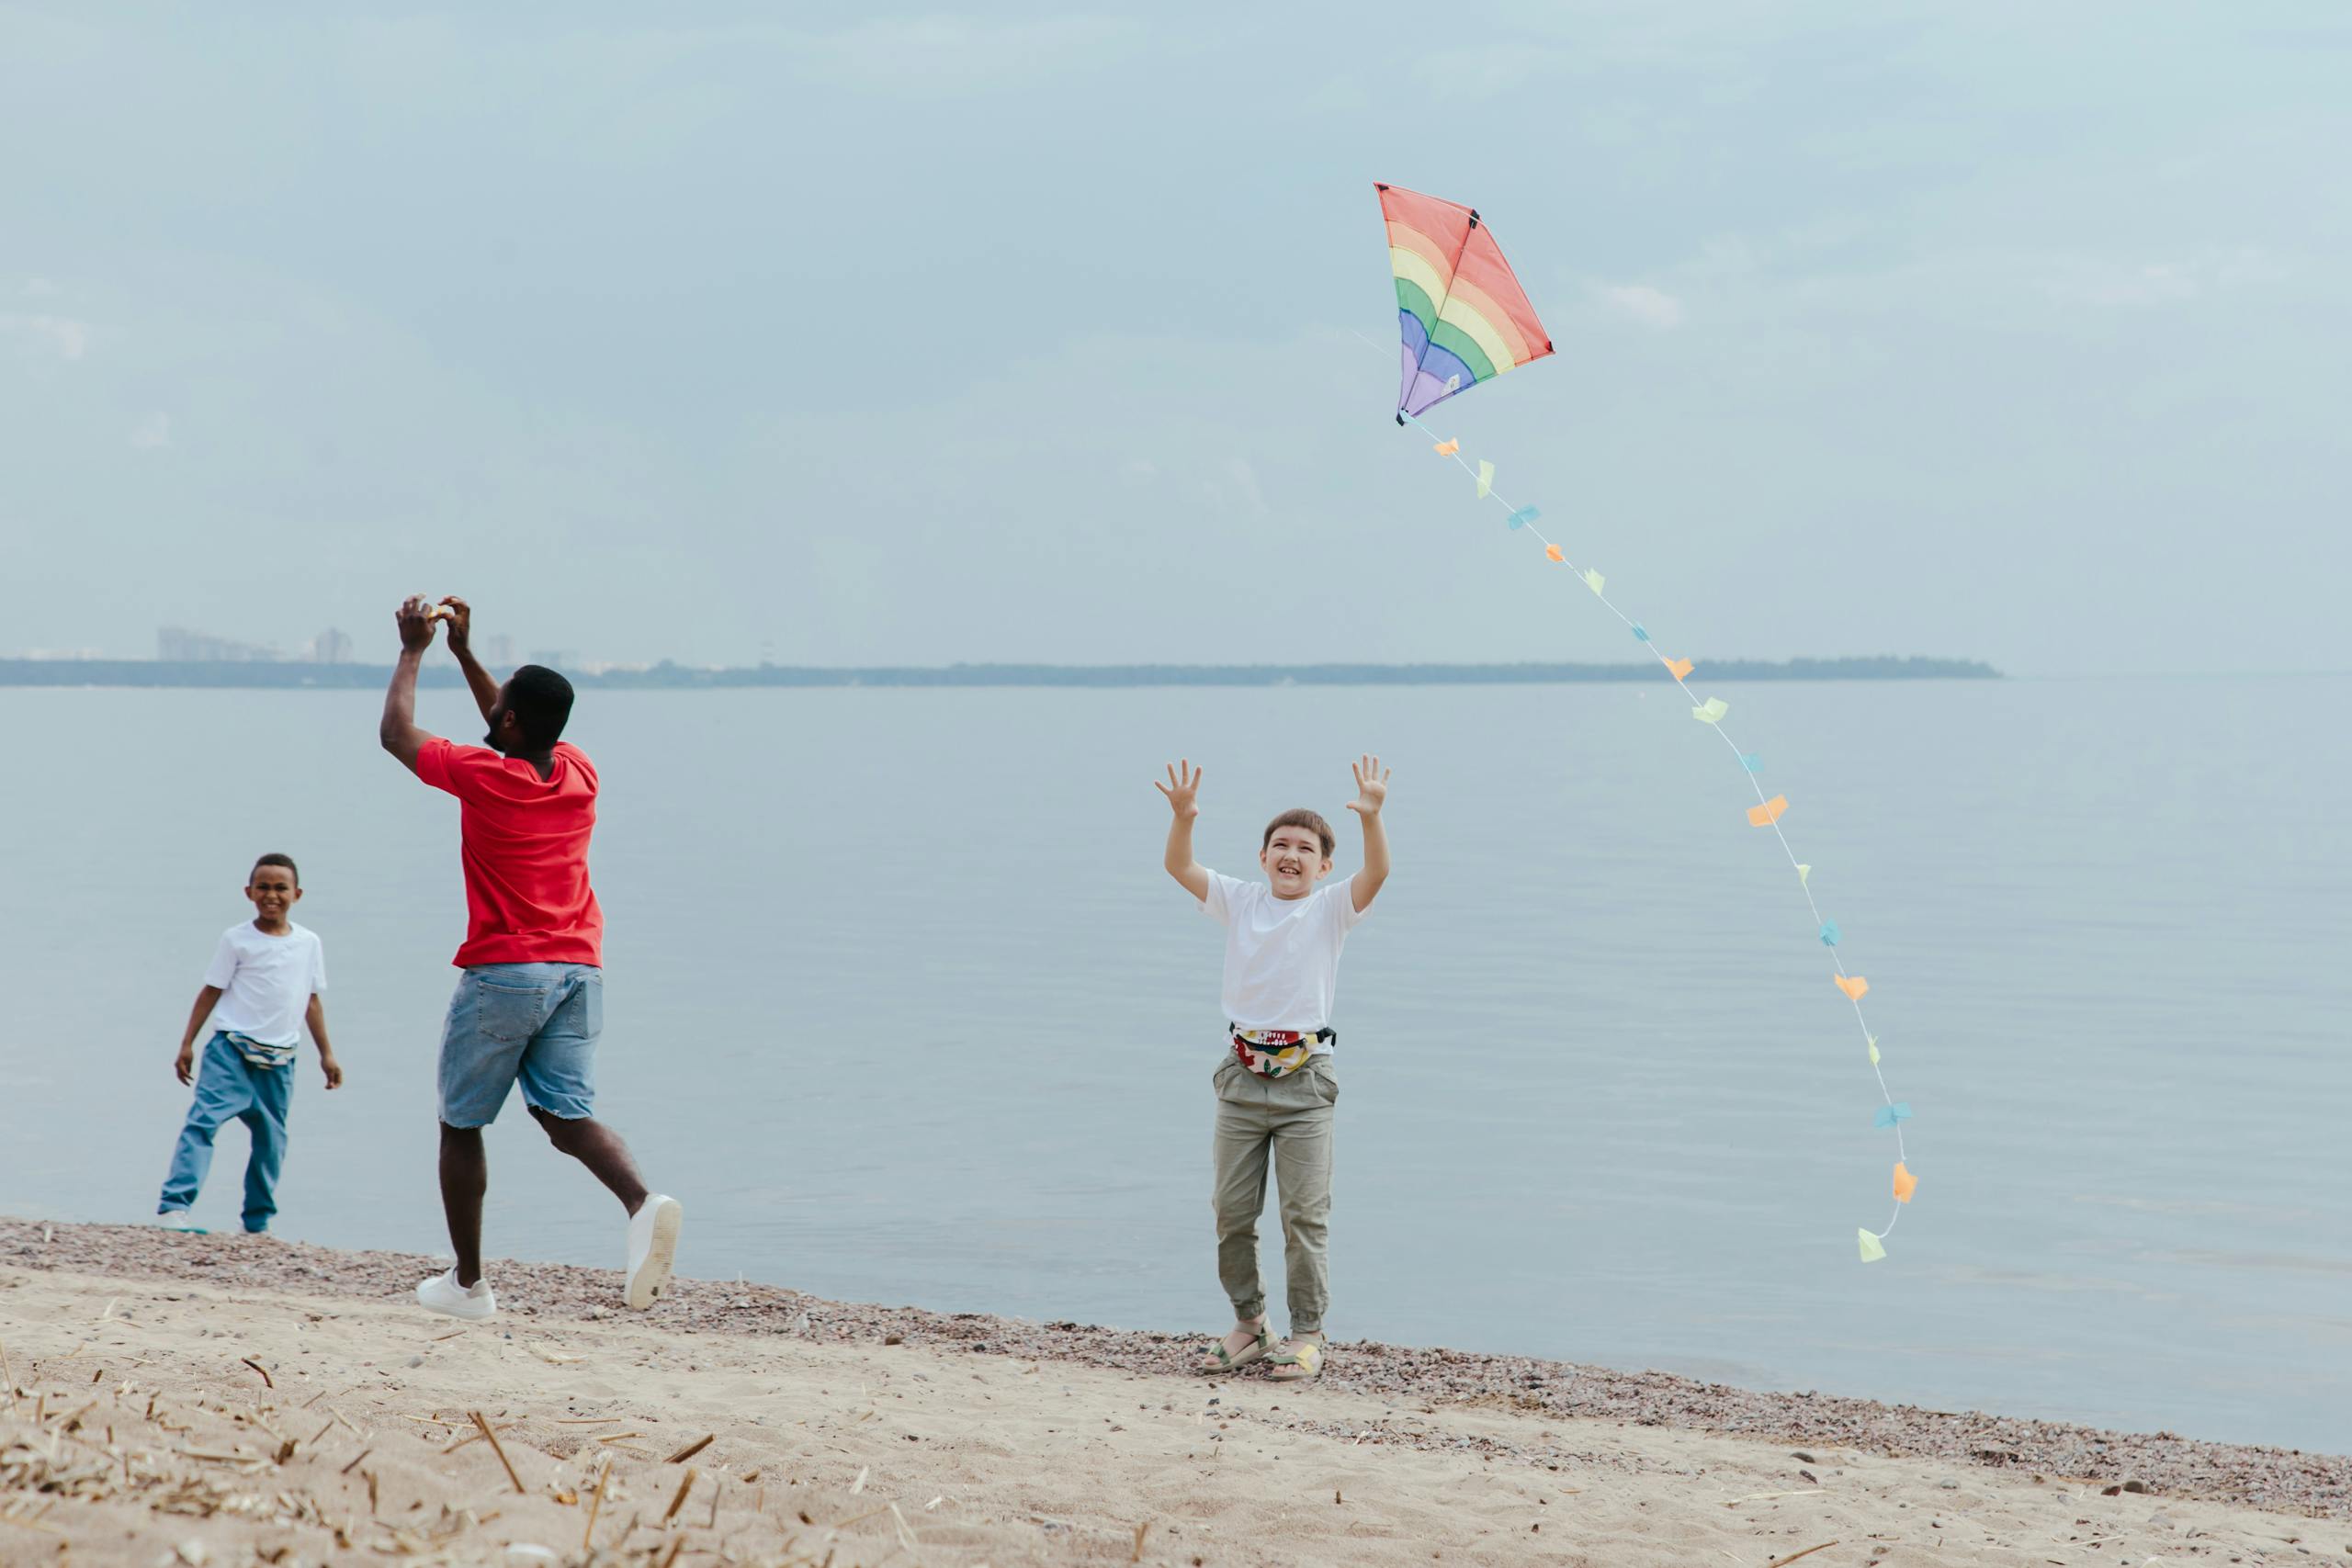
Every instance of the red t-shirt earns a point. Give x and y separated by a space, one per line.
527 899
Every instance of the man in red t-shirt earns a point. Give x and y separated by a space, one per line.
530 1002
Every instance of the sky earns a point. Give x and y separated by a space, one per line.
847 335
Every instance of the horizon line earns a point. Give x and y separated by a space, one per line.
668 674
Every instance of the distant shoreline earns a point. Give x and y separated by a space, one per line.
667 676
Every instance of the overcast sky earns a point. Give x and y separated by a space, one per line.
834 336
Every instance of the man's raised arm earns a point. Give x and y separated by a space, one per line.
397 729
478 681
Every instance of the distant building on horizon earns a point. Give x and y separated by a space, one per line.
555 658
331 646
177 644
497 651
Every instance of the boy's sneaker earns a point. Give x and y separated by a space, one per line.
179 1220
652 1247
442 1293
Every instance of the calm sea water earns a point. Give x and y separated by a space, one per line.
900 1004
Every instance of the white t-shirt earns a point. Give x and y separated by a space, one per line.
266 981
1282 956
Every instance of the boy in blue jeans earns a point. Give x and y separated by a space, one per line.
261 988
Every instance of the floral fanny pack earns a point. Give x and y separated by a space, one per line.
1278 1053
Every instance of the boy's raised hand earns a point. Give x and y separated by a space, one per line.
1371 794
1372 786
1183 790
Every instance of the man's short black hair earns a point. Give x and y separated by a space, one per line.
541 702
286 861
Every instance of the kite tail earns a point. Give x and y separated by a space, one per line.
1764 813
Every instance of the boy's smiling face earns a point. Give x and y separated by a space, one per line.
273 892
1294 862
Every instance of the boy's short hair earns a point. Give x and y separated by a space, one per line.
1301 817
275 859
541 702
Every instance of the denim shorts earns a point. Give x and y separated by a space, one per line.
535 1024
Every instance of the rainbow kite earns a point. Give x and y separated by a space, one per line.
1464 316
1465 319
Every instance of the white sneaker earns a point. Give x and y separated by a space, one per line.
179 1220
442 1293
652 1247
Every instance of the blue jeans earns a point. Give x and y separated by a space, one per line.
228 1088
534 1024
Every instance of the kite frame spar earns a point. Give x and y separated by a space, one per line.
1766 813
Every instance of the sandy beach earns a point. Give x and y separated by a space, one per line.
209 1400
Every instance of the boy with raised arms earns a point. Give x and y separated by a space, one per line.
1277 1081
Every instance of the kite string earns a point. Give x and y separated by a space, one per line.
1804 885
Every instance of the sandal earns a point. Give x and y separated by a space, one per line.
1300 1361
1220 1360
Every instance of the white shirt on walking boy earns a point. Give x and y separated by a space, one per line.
265 984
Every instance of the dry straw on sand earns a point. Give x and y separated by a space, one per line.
143 1436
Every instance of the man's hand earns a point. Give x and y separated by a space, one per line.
1183 790
185 1063
478 681
416 617
1372 786
461 617
333 1068
397 729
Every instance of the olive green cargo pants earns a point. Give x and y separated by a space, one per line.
1289 1121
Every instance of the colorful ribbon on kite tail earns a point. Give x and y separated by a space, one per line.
1766 813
